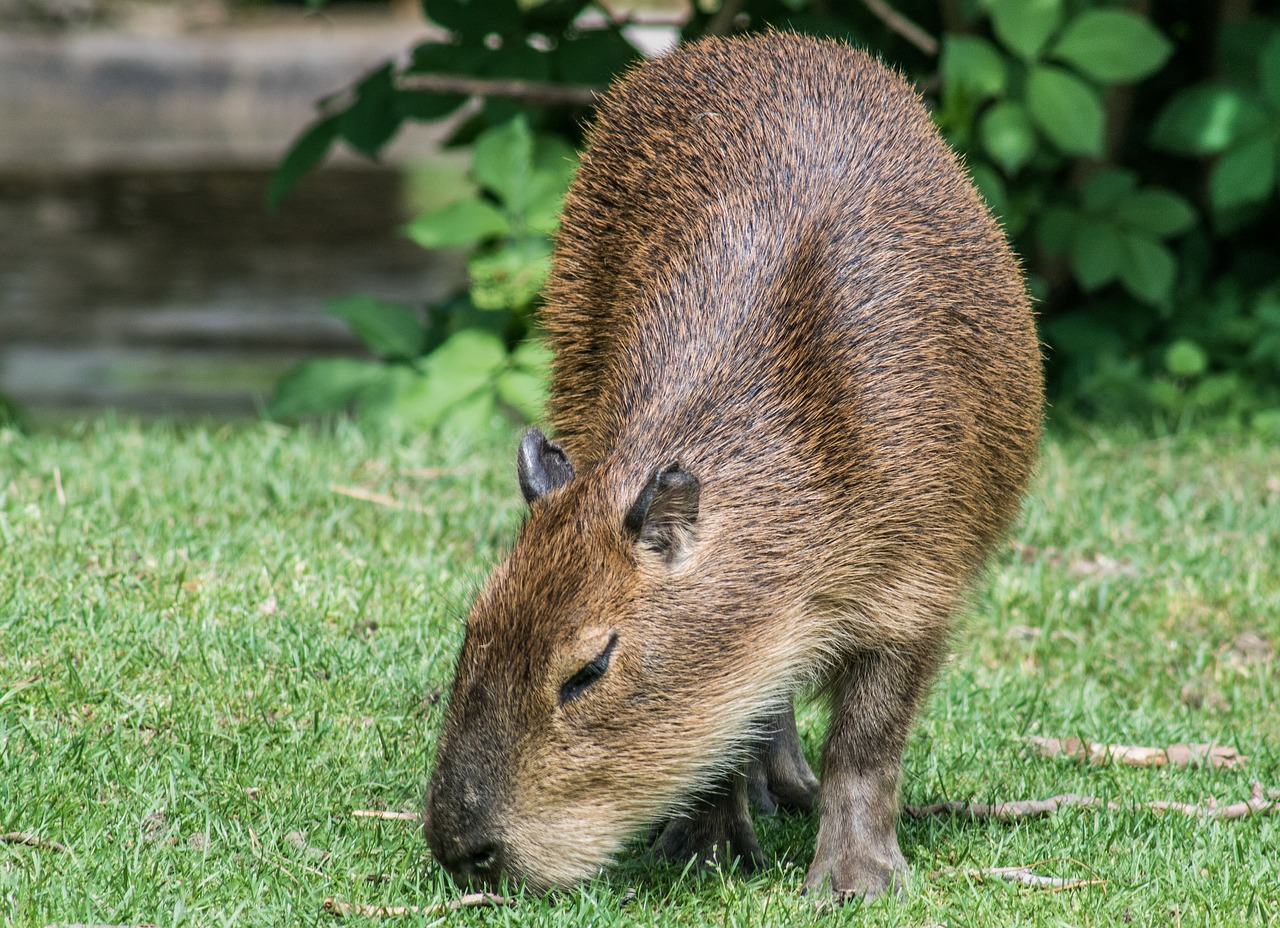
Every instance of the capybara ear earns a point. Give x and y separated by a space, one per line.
542 465
664 513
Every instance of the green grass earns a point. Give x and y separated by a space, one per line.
209 658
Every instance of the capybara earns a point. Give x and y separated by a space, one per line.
796 399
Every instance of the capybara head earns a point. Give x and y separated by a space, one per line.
578 713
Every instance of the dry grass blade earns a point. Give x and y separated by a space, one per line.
371 496
1028 877
1175 755
21 837
388 816
469 901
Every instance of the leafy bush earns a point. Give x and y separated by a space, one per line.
1133 156
473 352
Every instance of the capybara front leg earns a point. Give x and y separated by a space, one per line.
778 775
873 705
717 829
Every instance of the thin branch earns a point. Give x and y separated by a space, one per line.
21 837
722 22
1175 755
903 26
1256 804
540 93
1004 811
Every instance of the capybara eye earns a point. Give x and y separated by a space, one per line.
576 685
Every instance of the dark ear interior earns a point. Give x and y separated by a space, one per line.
541 465
665 511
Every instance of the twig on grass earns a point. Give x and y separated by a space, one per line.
1256 804
1175 755
1003 811
21 837
389 816
540 93
1028 877
342 909
57 485
903 26
370 496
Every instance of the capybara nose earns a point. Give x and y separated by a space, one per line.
478 861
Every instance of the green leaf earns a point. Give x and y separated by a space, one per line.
1056 228
1205 119
524 391
1215 390
463 222
466 362
1095 253
1025 25
510 277
1008 135
1067 110
470 353
307 151
991 186
427 107
554 163
371 121
1184 358
1158 212
1113 46
534 356
473 414
973 64
390 330
553 16
592 57
458 373
474 19
1269 70
502 162
1103 191
1244 175
324 386
1147 269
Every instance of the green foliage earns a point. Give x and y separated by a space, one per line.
1132 254
474 355
1136 178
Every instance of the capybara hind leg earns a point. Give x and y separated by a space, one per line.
717 829
873 704
778 776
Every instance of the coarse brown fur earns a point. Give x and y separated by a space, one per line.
798 391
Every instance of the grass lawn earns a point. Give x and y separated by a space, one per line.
217 643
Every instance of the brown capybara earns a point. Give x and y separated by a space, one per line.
796 400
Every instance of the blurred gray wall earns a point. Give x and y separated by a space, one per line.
138 268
